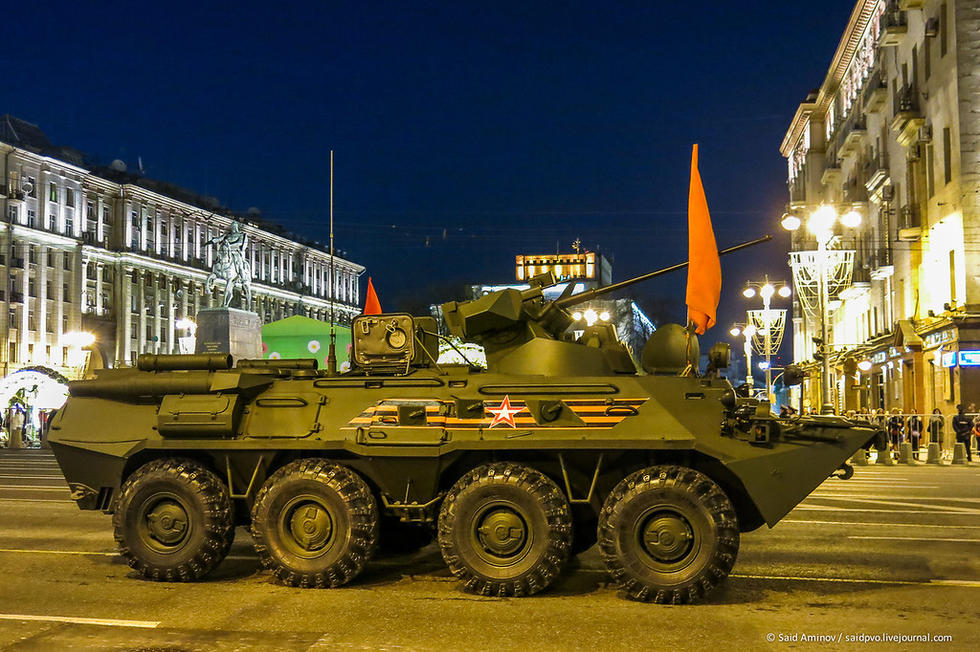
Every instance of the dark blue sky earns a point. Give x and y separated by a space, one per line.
464 132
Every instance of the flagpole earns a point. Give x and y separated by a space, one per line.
332 349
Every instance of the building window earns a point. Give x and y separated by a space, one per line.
50 259
67 262
31 218
69 224
31 290
52 222
31 254
33 187
69 198
927 56
947 156
66 296
52 192
930 171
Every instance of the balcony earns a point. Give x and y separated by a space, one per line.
876 175
831 173
909 225
908 115
875 93
880 264
894 26
853 134
797 190
854 192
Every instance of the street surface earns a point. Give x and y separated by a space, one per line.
892 552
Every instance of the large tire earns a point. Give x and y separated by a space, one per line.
315 524
505 530
173 520
668 534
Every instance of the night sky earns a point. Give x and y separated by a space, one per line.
464 132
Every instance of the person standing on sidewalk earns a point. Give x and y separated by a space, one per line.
963 426
936 427
914 425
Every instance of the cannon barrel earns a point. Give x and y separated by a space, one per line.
562 302
293 363
195 362
134 385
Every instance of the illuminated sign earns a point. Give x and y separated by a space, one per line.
941 337
949 359
879 357
970 358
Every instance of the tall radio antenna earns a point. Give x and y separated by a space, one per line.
332 349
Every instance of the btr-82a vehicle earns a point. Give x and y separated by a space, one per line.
561 443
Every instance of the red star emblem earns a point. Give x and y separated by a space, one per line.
505 413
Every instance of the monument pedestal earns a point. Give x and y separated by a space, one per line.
229 330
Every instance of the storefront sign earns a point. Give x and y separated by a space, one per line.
970 358
939 337
949 359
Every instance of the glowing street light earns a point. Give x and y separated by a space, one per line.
791 222
767 323
748 292
865 365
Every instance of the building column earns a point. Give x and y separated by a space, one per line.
84 289
123 297
59 295
98 288
42 296
141 311
168 305
185 288
157 311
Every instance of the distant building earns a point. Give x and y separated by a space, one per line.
893 132
585 270
93 248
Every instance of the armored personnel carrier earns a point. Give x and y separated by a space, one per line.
561 443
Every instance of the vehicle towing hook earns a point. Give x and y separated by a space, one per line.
844 471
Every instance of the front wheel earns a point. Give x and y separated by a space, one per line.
173 520
315 524
668 534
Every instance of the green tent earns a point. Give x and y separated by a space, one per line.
302 337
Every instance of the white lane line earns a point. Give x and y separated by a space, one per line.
824 508
24 551
877 500
800 520
852 580
14 487
62 501
33 477
882 538
108 622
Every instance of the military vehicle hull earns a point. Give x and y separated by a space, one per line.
411 438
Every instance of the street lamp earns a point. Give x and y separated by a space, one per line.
768 323
820 224
748 331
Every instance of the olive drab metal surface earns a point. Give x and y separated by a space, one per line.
562 443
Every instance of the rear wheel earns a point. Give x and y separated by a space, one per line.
315 524
668 534
173 520
505 529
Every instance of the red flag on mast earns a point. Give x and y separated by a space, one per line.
704 267
371 304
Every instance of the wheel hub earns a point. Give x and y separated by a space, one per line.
310 526
167 522
502 532
667 537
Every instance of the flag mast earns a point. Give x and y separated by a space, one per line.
332 348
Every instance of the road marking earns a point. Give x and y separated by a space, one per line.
33 477
877 500
108 622
14 487
37 500
915 539
852 580
794 520
24 551
825 508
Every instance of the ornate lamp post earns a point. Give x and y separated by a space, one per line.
769 324
748 331
819 273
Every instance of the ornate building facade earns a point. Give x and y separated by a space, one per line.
893 132
99 250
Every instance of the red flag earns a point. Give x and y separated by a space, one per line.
371 304
704 267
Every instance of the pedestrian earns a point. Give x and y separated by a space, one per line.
936 427
963 426
914 429
895 424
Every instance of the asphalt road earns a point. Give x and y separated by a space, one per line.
892 552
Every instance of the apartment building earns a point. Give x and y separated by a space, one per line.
894 133
100 250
